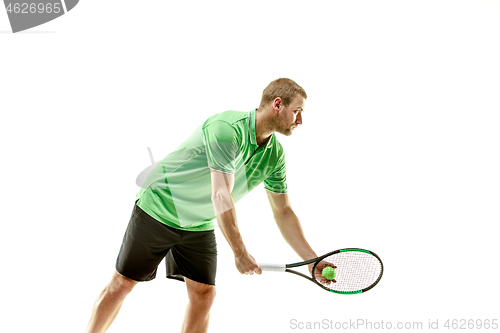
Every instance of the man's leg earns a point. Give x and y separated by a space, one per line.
201 297
109 303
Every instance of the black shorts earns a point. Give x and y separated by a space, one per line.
190 254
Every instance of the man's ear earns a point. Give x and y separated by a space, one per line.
277 104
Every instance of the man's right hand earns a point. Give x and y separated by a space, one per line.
246 264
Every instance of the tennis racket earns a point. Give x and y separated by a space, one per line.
352 271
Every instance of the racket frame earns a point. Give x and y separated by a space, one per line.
273 267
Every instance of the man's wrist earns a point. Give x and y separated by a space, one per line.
240 250
309 256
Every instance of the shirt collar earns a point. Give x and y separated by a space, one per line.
251 130
251 127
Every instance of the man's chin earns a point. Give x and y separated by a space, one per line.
286 132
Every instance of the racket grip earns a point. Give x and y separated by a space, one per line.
273 267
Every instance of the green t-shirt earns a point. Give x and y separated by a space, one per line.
178 190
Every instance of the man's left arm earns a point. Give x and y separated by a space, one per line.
289 225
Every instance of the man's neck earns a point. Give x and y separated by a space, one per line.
262 129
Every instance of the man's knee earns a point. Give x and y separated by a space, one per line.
120 285
200 293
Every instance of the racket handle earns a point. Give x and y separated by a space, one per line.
273 267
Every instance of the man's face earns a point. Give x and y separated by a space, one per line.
291 116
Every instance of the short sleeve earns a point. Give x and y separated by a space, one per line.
276 182
222 146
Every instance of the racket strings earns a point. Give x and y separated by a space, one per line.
355 271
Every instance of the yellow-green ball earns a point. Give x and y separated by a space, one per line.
328 273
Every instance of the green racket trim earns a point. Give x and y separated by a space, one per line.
356 250
346 292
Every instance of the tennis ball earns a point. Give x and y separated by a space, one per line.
328 273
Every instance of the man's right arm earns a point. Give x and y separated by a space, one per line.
225 212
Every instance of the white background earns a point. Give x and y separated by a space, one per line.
398 153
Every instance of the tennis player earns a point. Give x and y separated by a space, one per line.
173 218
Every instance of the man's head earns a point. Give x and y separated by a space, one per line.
285 100
286 89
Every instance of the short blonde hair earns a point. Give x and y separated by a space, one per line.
285 88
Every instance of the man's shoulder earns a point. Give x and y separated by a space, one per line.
233 118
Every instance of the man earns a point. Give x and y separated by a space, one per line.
225 158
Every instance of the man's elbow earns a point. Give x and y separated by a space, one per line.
283 213
222 202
